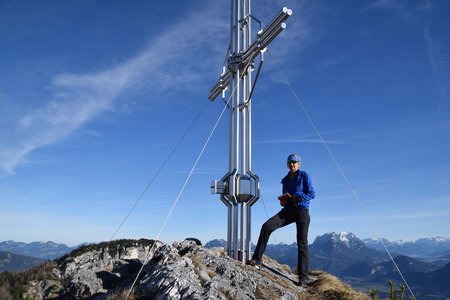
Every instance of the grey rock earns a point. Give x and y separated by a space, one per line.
183 270
192 272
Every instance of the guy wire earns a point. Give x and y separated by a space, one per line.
159 170
177 198
267 215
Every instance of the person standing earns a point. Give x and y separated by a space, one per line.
297 193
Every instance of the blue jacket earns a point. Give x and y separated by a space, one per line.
300 186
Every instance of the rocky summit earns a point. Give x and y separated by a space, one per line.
183 270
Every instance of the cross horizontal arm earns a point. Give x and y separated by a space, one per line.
269 33
262 41
221 85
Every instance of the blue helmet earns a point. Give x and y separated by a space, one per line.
294 157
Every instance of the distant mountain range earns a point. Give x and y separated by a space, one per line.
15 262
364 264
45 250
430 249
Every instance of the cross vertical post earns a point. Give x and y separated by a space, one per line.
240 185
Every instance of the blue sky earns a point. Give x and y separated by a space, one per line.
94 96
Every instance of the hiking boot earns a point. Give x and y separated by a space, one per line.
304 281
254 263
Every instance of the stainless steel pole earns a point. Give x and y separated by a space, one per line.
240 186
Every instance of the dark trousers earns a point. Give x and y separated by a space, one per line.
281 219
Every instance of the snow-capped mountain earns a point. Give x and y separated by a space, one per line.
337 252
423 247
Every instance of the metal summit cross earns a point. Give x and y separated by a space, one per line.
240 185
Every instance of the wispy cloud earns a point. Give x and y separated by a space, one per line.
439 61
308 138
391 217
301 140
176 60
200 171
403 10
414 215
330 62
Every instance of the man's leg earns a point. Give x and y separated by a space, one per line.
302 243
279 220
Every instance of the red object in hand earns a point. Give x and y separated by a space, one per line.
284 199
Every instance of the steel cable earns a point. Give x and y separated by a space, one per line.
267 215
177 198
159 170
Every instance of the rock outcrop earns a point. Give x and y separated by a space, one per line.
183 270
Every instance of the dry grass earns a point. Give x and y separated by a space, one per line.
199 266
122 295
227 294
277 279
272 261
267 292
328 287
